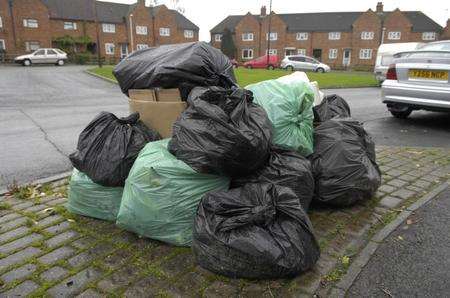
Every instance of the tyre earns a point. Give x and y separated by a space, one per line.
270 67
26 62
249 67
401 114
60 63
320 69
290 68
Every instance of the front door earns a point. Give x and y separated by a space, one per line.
123 50
346 57
317 53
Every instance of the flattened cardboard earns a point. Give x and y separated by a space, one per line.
142 94
168 95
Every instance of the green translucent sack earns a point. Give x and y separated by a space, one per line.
161 195
92 199
288 102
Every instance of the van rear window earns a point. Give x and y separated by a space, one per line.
386 60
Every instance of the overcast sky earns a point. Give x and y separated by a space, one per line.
207 13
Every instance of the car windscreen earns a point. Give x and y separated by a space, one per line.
386 60
444 46
428 55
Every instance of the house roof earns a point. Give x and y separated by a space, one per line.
182 21
329 21
112 12
70 9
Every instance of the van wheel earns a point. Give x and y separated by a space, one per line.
60 63
401 114
26 62
320 69
290 68
270 67
249 67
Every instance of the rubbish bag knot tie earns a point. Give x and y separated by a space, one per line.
263 215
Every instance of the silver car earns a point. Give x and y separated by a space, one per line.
43 56
301 62
418 80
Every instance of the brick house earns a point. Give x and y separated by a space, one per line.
339 39
26 25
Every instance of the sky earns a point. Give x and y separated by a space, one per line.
208 13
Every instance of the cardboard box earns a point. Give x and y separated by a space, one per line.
159 115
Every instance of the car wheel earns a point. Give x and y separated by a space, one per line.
320 69
249 66
270 67
290 68
60 63
401 114
26 62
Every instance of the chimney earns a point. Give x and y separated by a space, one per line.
379 7
263 11
141 2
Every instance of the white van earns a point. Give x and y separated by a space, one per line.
386 53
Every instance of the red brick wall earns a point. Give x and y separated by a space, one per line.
141 17
120 36
248 24
320 40
6 31
165 18
277 25
368 22
291 41
396 21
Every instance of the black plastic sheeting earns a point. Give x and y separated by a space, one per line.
285 168
175 66
343 163
108 146
222 132
257 231
330 107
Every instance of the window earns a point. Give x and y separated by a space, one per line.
247 36
109 48
39 53
332 53
289 51
367 35
218 37
141 30
188 34
164 31
247 54
1 23
394 35
141 46
299 59
109 28
365 54
441 46
301 36
301 51
31 46
428 35
70 26
334 35
273 36
30 23
51 52
272 51
2 44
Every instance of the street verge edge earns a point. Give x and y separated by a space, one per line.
41 181
100 76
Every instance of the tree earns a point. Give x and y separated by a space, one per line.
227 46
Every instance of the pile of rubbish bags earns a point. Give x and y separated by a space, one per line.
237 178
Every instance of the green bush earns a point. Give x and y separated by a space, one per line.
82 58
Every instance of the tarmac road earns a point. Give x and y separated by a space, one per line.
44 108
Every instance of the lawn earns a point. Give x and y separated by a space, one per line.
341 79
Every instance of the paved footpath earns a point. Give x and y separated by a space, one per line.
414 261
46 251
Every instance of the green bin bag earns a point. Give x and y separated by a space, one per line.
288 102
161 195
91 199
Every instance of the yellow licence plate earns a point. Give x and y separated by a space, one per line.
439 75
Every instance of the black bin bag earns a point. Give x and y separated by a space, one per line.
175 66
258 231
222 132
343 162
285 168
108 146
330 107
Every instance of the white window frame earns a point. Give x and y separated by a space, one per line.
428 35
301 52
301 36
332 54
3 45
273 36
367 35
30 23
394 35
272 52
141 46
188 33
108 46
334 35
30 48
365 54
164 31
141 30
248 54
218 37
1 22
109 28
70 26
247 36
